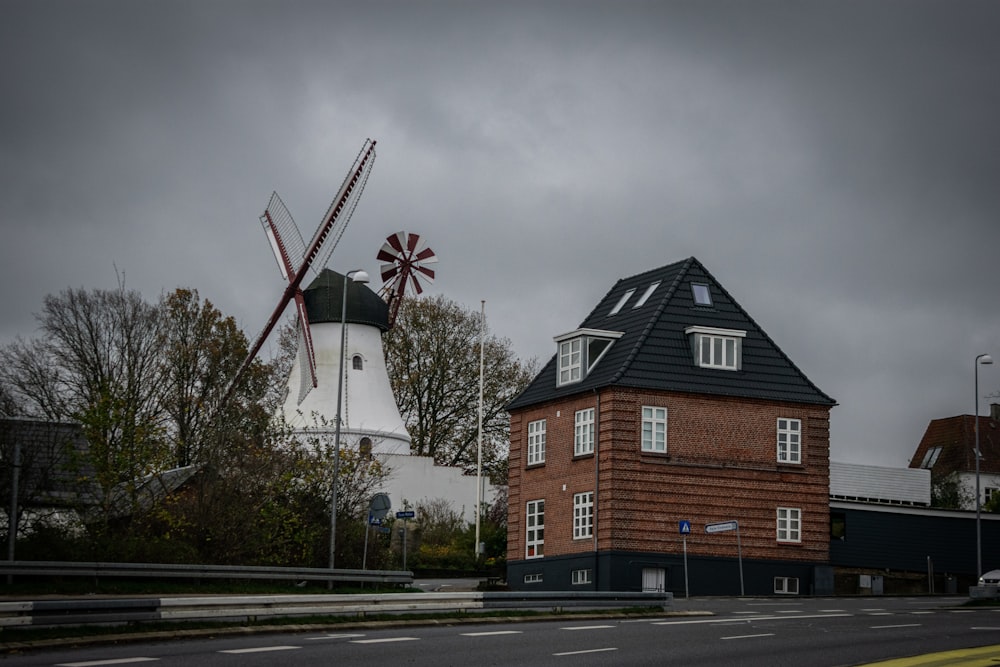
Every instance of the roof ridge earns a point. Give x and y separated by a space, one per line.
763 333
651 324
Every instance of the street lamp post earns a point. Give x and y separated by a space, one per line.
981 359
357 276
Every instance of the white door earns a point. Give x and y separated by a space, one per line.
654 579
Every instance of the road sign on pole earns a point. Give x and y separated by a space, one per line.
685 528
721 526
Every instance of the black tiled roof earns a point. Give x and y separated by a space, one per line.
655 353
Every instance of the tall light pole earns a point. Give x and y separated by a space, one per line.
479 447
981 359
357 276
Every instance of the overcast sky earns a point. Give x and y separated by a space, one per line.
835 165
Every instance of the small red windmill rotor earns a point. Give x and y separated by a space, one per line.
404 258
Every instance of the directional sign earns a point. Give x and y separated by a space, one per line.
685 527
406 515
720 527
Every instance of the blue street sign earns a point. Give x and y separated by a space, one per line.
685 527
374 521
406 515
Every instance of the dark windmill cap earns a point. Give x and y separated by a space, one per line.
323 302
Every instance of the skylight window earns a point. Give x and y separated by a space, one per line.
702 295
931 457
645 295
622 301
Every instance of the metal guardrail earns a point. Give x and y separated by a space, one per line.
174 571
48 613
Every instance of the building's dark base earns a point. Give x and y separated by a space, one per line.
626 571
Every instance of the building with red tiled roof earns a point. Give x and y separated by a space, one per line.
948 451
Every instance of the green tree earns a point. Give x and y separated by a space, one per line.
433 359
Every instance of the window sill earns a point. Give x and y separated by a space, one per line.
532 466
580 457
657 456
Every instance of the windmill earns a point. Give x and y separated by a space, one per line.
404 257
295 259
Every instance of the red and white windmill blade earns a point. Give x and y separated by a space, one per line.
295 259
405 256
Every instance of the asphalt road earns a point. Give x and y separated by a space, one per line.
760 632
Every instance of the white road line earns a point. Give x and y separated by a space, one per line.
962 611
829 611
117 661
766 634
750 620
874 609
260 649
334 637
881 613
490 634
915 613
593 650
588 627
384 641
901 625
790 611
983 627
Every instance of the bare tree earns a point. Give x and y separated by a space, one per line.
432 354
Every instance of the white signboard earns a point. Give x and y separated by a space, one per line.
720 527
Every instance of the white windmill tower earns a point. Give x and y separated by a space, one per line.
370 418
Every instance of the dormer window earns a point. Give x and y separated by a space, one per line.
717 348
579 352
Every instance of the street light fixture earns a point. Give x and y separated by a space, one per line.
981 359
357 276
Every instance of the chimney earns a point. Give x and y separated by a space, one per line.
995 412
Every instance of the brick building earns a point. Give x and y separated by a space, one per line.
669 404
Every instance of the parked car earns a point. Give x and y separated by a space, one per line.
991 578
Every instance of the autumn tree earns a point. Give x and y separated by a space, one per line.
433 358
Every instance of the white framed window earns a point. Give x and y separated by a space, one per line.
622 301
583 432
990 492
717 348
789 440
583 515
786 585
789 524
533 578
645 295
578 577
654 429
536 442
535 523
570 361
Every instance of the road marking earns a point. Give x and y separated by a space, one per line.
966 657
901 625
117 661
766 634
335 637
746 612
962 611
983 627
386 640
828 611
791 611
593 650
874 609
490 634
881 613
750 620
588 627
260 649
921 612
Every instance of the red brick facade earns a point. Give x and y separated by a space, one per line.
720 464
